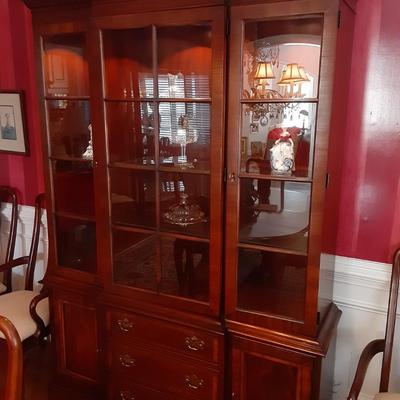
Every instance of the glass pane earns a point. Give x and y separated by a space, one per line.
185 203
76 244
133 197
128 63
185 130
70 130
185 268
272 283
135 259
278 138
130 132
65 65
184 61
275 213
73 187
281 58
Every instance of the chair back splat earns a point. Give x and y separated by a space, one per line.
13 387
30 272
9 194
390 323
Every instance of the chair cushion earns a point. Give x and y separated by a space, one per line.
15 307
3 288
387 396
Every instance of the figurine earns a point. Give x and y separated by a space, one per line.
282 154
88 154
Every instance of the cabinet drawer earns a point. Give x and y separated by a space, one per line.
125 390
165 373
129 328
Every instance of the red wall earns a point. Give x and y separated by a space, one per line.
369 217
17 72
369 214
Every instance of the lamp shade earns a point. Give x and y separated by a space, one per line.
304 75
264 71
291 74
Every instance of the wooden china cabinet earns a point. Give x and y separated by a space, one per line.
192 153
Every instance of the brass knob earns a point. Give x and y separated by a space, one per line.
125 325
194 382
127 361
126 395
232 177
194 343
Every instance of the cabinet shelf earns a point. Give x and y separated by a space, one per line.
286 101
162 233
85 218
157 99
68 98
284 178
72 159
272 249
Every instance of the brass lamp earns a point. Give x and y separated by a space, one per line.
291 75
263 73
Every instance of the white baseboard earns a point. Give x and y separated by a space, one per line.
26 217
361 290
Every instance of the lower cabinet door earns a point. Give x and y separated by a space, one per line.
76 336
261 371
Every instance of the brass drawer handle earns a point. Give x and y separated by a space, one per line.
126 395
194 382
125 325
194 343
127 361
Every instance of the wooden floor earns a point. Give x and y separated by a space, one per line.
40 382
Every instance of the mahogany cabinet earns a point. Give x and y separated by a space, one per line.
192 152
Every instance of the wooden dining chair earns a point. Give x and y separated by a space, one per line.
13 384
381 345
26 309
9 194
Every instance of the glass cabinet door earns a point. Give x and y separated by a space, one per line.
274 89
162 109
70 148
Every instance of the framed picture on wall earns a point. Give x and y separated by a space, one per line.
13 134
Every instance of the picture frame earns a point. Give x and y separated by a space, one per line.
13 130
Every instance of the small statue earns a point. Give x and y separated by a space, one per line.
88 154
282 154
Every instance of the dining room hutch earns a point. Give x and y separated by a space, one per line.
192 152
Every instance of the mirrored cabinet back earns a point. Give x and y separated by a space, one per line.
192 151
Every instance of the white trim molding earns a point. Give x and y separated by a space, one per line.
361 291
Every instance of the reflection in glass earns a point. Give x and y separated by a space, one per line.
76 244
73 187
185 268
281 58
272 283
133 197
130 127
128 63
134 259
184 61
69 129
65 65
185 135
267 127
197 189
275 213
